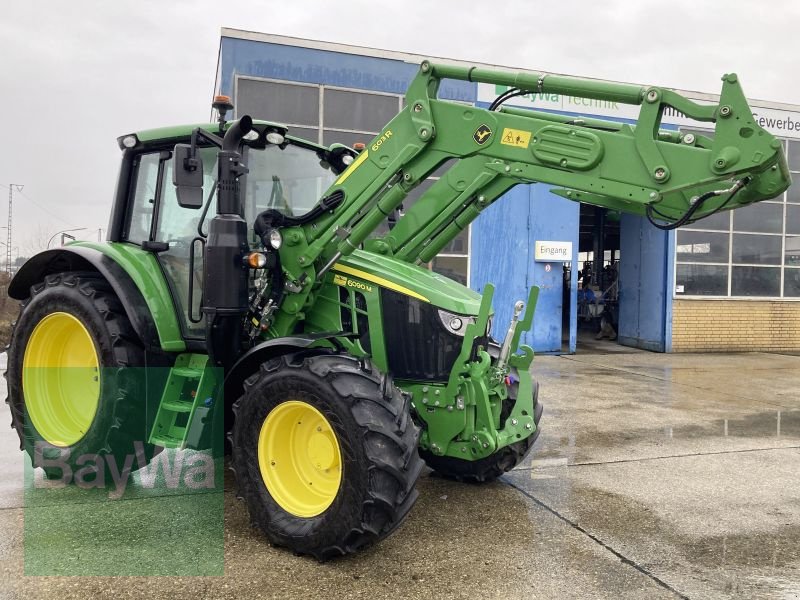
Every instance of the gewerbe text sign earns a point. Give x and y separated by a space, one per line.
553 251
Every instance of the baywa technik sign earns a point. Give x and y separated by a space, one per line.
782 123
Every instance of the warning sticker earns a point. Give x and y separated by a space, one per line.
515 137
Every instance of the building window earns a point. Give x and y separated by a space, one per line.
328 115
702 280
358 111
294 104
753 251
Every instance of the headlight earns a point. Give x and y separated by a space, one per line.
275 239
275 137
455 323
129 141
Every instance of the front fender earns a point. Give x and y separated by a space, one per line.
249 362
77 258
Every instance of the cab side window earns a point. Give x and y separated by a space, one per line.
178 225
145 177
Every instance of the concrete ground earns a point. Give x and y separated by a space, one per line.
656 476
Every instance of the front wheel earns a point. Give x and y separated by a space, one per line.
325 453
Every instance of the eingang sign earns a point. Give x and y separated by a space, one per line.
553 252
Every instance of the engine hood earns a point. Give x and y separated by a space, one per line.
412 280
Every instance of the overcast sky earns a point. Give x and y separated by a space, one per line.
77 74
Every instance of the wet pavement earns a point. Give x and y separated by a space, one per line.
656 476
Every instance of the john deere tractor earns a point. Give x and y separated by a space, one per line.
288 295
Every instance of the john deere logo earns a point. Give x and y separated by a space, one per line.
340 280
482 134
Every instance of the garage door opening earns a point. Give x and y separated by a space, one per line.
597 308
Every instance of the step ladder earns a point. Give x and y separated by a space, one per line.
185 404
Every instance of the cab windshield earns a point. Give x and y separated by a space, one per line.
290 180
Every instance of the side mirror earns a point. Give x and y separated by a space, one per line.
187 176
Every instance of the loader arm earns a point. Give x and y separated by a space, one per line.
640 169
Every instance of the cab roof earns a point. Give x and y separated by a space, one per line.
174 132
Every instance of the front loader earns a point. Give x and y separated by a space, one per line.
258 270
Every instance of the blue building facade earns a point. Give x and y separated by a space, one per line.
500 246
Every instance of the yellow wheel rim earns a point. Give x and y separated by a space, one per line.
299 458
61 379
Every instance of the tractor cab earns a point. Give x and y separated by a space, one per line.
284 173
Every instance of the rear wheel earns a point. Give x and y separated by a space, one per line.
491 467
72 401
325 453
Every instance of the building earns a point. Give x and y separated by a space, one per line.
730 282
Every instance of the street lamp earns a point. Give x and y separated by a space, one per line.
62 232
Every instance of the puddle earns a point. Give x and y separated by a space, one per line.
775 549
784 425
750 563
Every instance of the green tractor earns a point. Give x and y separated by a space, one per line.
287 296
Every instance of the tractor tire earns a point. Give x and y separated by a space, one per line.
489 468
324 453
78 404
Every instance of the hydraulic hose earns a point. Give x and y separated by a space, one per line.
686 219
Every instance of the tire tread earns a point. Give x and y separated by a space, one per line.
379 411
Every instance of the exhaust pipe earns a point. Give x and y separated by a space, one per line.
237 131
225 276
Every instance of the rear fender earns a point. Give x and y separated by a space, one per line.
77 258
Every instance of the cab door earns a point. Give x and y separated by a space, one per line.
183 231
